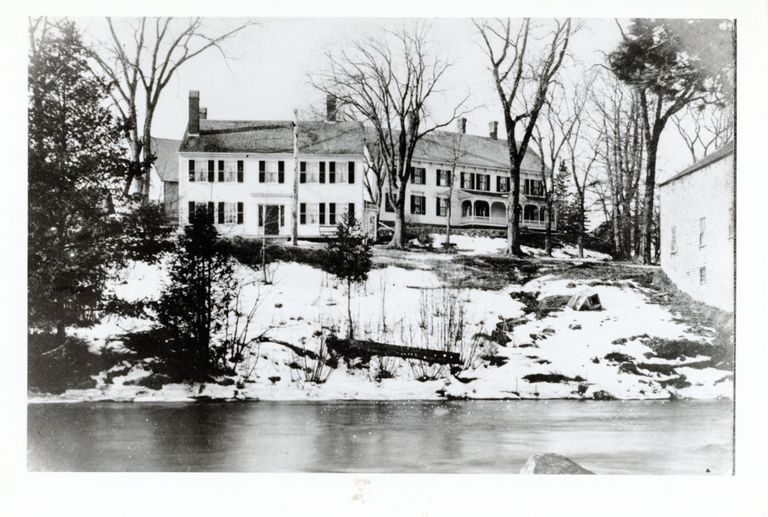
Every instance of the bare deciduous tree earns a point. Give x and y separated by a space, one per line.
522 76
140 59
388 81
457 153
704 128
553 135
619 145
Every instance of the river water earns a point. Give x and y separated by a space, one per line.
621 437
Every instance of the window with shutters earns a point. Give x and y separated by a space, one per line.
443 178
240 212
302 213
271 176
201 170
321 216
331 213
442 207
208 208
533 188
483 182
322 173
418 175
229 171
502 184
468 180
418 204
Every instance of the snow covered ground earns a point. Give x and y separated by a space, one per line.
467 245
409 307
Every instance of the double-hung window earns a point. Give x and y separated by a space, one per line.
418 204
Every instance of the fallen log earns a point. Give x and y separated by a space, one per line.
366 349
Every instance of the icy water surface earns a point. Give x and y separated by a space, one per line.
635 437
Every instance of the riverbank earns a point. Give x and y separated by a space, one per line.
519 340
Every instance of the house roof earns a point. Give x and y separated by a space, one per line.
275 136
264 136
721 153
474 150
166 164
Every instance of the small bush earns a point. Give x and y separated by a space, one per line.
53 368
317 370
535 378
618 357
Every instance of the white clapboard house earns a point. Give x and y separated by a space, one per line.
698 229
242 171
481 183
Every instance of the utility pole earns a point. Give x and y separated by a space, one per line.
295 207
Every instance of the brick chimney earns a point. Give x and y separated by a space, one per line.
203 113
461 125
330 108
193 127
493 129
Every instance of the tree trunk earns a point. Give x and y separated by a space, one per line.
548 232
398 237
617 246
61 333
650 183
513 215
580 237
350 330
146 164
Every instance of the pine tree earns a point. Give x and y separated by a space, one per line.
348 258
74 165
193 308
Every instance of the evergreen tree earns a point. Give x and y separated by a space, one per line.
566 205
74 165
196 303
348 258
672 63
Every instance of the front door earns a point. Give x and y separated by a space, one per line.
271 220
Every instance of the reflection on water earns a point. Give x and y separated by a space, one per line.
637 437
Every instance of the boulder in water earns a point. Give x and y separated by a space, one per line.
550 463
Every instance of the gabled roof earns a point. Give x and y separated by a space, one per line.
477 151
167 163
721 153
275 136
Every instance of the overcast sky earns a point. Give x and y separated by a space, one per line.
265 76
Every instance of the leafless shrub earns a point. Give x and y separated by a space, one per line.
383 368
443 325
315 369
